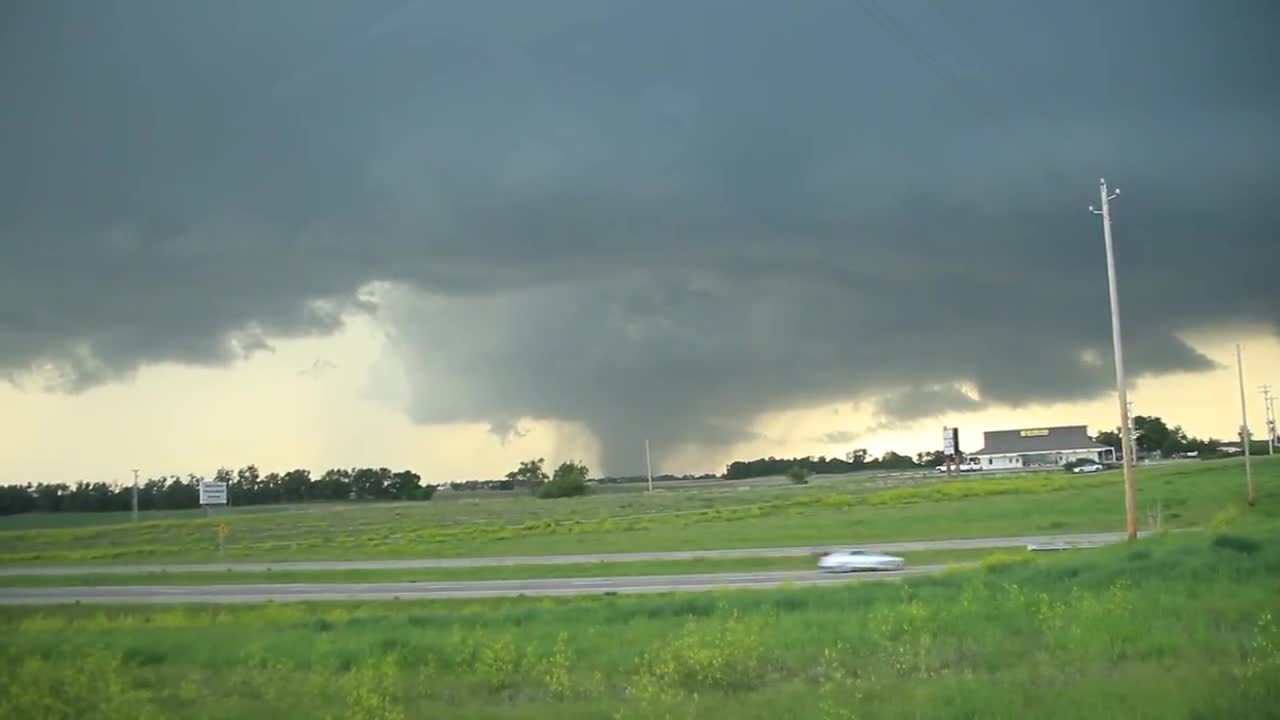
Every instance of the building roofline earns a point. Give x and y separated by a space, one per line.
1099 446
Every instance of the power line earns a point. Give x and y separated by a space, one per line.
890 25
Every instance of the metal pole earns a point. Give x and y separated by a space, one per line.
135 495
648 465
949 458
1126 434
955 449
1244 426
1269 405
1271 424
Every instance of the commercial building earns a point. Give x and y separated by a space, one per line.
1039 447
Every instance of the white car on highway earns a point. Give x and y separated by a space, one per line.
859 560
1090 468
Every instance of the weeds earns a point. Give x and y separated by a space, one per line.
373 691
723 655
839 692
96 685
556 669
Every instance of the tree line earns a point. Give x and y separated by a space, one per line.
1152 435
856 461
568 480
509 484
246 486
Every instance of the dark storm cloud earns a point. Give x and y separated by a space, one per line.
919 402
658 219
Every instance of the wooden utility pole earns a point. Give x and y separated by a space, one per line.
1126 428
1244 427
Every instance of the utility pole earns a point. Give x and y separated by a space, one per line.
1269 405
648 464
135 495
1126 433
1244 427
1133 424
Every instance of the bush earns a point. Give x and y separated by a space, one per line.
798 475
569 480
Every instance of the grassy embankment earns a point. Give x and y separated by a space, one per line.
1185 495
1179 626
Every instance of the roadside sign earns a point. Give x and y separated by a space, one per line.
213 493
950 440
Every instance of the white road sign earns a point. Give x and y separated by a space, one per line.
949 438
213 493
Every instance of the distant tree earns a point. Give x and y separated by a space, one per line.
772 466
335 484
270 489
798 475
179 493
569 480
1151 434
407 485
295 486
1110 438
529 476
49 497
893 461
15 499
371 483
246 488
931 459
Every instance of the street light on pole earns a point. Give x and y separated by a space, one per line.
1126 431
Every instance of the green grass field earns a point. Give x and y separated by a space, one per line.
1179 626
851 511
498 572
463 507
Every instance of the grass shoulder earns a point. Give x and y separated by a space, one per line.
1180 625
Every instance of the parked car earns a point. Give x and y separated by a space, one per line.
1089 468
969 465
859 560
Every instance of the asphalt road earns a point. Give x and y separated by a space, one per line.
907 546
222 594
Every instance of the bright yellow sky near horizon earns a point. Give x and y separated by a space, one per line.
276 410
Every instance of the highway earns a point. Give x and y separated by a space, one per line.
223 594
906 546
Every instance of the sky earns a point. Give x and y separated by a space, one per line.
451 235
